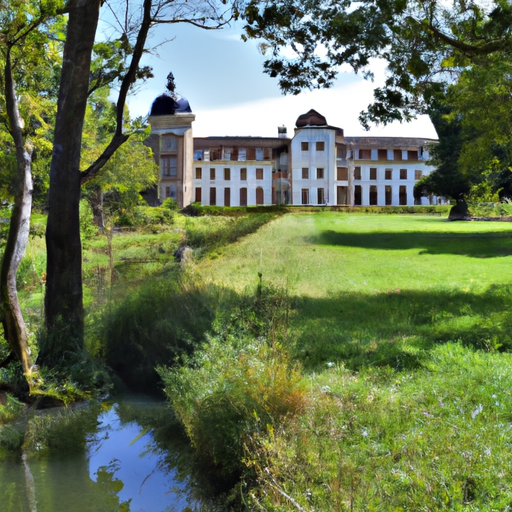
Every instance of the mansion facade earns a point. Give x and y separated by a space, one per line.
317 166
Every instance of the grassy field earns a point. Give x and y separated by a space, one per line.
391 390
402 325
359 280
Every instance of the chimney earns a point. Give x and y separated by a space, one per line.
281 132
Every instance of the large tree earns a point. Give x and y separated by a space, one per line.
28 57
64 314
425 43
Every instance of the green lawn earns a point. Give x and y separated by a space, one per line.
359 280
402 325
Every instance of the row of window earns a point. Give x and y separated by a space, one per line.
227 174
386 154
342 174
319 146
232 154
388 174
374 196
227 196
343 198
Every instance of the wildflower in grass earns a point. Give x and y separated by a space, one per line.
477 411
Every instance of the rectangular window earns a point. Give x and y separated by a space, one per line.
397 154
389 174
212 174
259 174
413 155
402 195
213 196
243 174
227 197
341 151
403 174
169 166
383 154
320 174
365 154
388 195
214 155
357 173
198 194
342 195
243 197
198 154
373 173
259 154
304 146
320 145
199 173
305 173
373 195
242 155
418 175
227 154
321 196
342 173
227 174
305 196
358 195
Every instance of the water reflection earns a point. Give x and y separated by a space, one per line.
118 457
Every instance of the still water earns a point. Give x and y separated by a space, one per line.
120 456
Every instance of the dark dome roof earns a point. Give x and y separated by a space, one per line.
164 105
182 105
311 118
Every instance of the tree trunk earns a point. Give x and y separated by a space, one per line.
95 197
64 315
12 318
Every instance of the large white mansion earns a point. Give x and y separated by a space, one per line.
317 166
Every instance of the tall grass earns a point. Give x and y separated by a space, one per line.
238 384
153 325
433 439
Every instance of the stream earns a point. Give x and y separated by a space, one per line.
124 455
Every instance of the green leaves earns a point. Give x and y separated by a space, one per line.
419 40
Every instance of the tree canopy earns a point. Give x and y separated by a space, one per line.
426 44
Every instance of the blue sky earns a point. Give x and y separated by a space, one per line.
223 79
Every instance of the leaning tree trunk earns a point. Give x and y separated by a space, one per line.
12 318
64 315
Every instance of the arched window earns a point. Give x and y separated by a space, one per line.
259 196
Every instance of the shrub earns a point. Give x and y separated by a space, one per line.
231 389
145 216
238 384
170 204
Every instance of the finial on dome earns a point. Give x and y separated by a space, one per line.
171 86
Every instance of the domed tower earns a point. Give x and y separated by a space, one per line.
173 144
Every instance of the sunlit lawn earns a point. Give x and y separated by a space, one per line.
405 321
362 279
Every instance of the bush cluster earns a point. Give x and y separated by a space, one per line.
239 384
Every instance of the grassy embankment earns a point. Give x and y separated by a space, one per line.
402 327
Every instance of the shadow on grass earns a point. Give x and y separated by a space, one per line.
398 328
475 244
